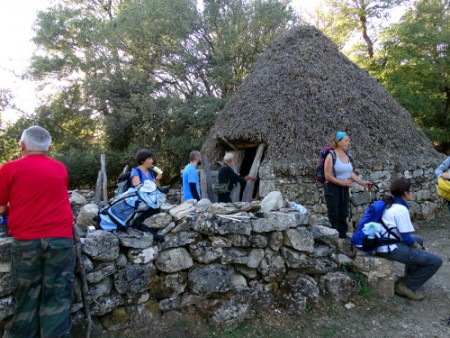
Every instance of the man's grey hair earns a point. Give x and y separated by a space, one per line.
193 155
36 138
228 156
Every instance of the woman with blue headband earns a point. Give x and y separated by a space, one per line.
339 177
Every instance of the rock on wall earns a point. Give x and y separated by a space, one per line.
216 260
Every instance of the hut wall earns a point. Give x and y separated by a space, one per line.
303 189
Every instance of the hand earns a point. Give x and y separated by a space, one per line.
446 176
347 183
248 177
368 185
158 177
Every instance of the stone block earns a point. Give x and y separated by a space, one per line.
273 201
380 273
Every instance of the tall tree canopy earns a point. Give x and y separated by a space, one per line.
147 73
413 63
343 20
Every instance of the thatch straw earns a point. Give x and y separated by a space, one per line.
302 90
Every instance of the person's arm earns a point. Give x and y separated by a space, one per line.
440 171
2 210
157 180
135 181
355 178
328 170
194 192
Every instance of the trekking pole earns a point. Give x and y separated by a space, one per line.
84 286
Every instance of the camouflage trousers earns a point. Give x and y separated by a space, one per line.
43 270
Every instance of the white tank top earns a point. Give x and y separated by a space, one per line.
343 170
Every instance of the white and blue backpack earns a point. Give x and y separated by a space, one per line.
125 209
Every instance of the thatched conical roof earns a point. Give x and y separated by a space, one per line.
302 90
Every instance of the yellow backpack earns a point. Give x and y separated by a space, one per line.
443 188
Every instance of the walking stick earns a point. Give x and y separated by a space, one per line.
84 286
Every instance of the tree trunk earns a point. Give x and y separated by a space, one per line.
369 43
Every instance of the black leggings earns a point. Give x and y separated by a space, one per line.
338 199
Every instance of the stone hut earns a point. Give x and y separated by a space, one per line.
301 91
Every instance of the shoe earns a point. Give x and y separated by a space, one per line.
402 290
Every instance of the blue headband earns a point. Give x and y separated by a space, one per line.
340 135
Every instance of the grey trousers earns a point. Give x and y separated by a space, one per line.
420 265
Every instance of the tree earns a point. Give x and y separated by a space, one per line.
150 73
342 19
5 97
413 64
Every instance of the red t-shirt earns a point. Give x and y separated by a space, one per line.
36 188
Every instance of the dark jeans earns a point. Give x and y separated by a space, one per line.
420 265
337 199
43 271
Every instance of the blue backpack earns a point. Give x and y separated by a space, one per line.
368 243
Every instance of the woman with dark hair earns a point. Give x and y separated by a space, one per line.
339 177
420 265
144 159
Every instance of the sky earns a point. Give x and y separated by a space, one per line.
16 33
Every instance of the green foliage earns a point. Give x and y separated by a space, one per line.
5 96
363 282
150 73
413 64
345 20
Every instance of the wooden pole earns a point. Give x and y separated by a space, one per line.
238 158
203 187
209 189
104 177
97 188
250 185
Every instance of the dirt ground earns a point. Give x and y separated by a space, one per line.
365 316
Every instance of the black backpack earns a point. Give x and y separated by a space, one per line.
124 181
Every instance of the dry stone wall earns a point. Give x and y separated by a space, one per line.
300 186
224 264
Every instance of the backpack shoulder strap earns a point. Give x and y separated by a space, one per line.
390 231
141 175
350 157
333 155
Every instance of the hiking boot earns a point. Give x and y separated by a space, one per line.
402 290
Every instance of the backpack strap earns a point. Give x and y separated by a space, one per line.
333 156
141 175
350 157
390 231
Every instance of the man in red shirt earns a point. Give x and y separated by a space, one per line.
34 192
